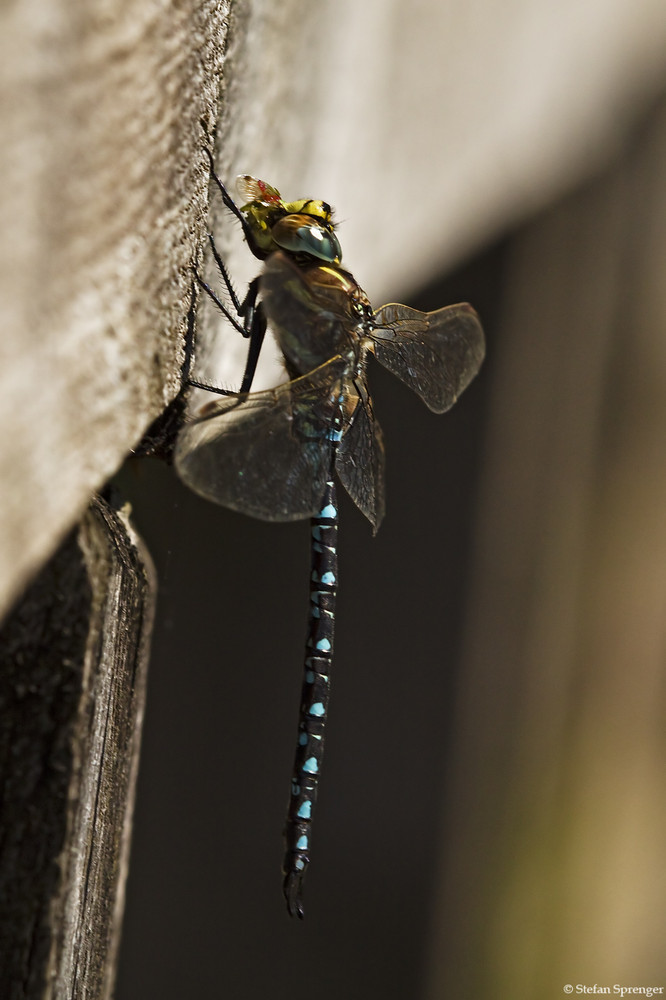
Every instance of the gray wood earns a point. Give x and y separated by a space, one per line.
73 660
430 126
103 199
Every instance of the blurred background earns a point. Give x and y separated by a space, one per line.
492 814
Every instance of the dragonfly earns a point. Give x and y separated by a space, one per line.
303 228
275 455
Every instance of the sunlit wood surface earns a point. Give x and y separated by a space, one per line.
430 126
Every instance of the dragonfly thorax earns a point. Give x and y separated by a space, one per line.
316 313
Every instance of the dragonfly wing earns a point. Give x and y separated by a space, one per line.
436 354
267 454
359 460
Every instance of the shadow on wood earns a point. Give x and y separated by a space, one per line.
73 658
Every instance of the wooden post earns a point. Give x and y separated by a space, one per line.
73 659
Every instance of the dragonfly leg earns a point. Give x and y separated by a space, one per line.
314 699
251 312
253 326
224 274
220 305
228 200
255 321
249 320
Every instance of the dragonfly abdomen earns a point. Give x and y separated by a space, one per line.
314 697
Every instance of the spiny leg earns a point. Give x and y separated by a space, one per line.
314 698
224 274
228 200
220 305
251 313
189 345
253 326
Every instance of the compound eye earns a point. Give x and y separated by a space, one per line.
298 234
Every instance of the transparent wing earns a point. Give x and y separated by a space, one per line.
267 454
436 354
359 460
252 189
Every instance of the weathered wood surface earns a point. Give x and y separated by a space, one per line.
73 659
431 127
103 199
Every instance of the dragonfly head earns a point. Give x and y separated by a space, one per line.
303 227
315 209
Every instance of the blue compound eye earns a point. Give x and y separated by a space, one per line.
299 234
